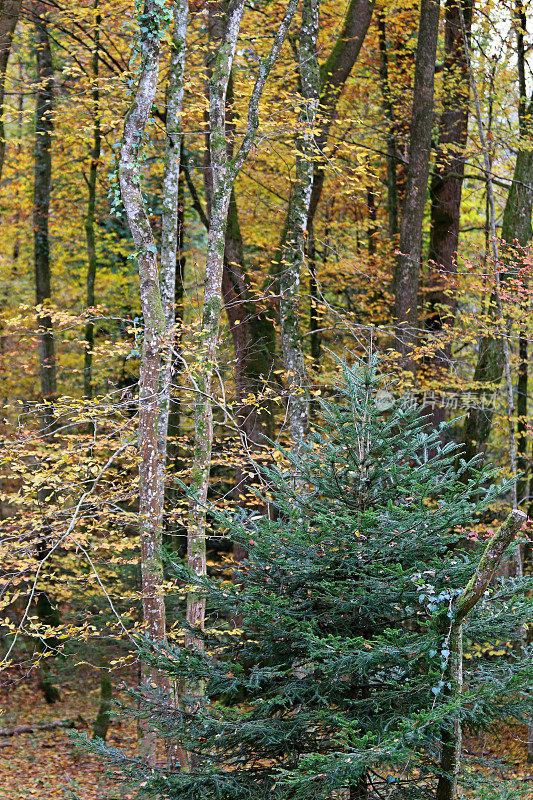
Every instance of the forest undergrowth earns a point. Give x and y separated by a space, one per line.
47 764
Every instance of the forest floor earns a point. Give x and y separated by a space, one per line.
46 763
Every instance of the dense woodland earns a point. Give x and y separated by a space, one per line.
265 340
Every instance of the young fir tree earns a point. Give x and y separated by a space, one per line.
333 684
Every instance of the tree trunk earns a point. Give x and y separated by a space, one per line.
9 14
253 340
472 594
170 256
223 172
450 762
516 233
407 269
253 333
447 179
89 218
174 414
151 491
293 259
253 346
170 234
48 617
41 211
334 73
46 611
388 109
103 718
522 487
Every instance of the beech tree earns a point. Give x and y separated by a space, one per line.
407 270
447 179
9 14
158 314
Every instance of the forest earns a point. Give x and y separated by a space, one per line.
266 471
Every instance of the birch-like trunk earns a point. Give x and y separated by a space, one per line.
224 171
157 302
293 259
203 411
150 490
169 256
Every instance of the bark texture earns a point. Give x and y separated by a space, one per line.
151 497
9 14
293 259
447 180
46 611
388 110
170 256
223 172
171 200
334 73
407 268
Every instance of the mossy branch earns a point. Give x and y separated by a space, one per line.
488 564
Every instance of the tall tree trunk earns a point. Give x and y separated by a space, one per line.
253 333
170 234
44 126
522 387
253 342
293 259
522 488
170 257
46 611
174 414
91 205
472 594
516 233
407 271
157 302
388 109
223 172
150 489
334 73
9 14
447 180
252 337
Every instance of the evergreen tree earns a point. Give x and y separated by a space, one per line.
332 685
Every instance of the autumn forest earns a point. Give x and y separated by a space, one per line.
266 471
